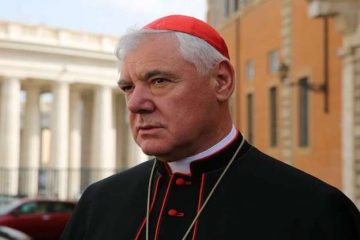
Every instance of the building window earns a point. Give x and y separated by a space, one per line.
250 71
250 117
243 3
273 61
273 117
236 5
226 8
303 112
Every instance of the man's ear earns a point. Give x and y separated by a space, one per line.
224 77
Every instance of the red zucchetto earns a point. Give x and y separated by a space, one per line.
192 26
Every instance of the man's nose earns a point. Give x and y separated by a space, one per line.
140 101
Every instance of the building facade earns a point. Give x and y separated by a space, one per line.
62 120
297 72
346 15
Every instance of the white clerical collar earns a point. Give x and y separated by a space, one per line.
183 165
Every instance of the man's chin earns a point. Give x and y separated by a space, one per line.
153 150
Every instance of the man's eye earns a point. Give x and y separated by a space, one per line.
159 81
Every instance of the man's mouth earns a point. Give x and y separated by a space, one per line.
148 129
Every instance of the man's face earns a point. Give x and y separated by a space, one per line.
172 107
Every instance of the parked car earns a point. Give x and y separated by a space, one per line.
7 233
41 219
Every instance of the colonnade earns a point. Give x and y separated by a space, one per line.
89 137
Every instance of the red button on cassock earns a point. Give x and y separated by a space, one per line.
174 213
180 181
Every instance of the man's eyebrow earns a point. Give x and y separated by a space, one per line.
157 72
122 82
148 75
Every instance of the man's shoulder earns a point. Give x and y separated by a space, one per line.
131 178
136 172
276 173
291 187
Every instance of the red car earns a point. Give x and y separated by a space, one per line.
41 219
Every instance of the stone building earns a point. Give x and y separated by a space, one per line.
346 14
298 83
62 120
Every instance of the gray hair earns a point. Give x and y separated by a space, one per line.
193 49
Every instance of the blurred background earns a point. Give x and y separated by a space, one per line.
63 122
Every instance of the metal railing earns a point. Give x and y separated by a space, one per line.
45 181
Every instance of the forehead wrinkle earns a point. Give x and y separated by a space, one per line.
126 78
144 69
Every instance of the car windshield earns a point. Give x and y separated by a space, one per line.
6 207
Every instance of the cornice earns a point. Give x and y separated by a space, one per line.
40 35
56 50
345 12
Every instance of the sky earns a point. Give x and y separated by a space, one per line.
113 17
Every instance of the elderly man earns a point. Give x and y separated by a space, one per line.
206 181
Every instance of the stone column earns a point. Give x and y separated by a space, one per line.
356 169
86 133
60 138
103 139
350 123
286 129
75 144
122 131
10 135
30 154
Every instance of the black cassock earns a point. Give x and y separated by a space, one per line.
258 198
